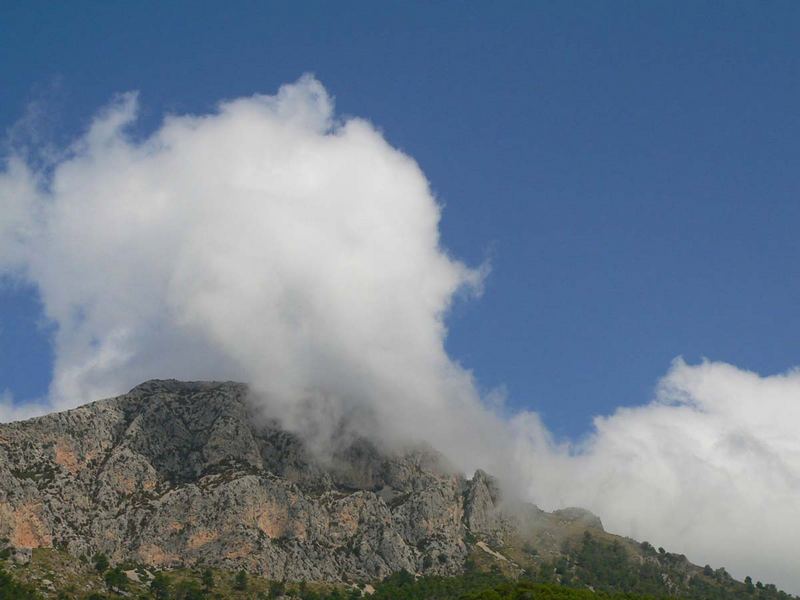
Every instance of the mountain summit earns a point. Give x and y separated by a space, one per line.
187 474
180 473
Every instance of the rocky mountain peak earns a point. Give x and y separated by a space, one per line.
184 473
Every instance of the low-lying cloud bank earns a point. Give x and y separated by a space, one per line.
273 243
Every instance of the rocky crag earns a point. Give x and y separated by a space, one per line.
180 474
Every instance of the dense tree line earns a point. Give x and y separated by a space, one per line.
610 567
593 569
484 586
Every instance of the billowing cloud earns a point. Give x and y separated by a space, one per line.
710 468
266 242
273 243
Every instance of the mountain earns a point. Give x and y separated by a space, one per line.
181 475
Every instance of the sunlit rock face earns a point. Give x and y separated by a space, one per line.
177 473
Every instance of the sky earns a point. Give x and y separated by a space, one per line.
630 172
612 200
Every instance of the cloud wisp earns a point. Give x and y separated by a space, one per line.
271 242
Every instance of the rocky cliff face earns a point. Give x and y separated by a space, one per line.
180 473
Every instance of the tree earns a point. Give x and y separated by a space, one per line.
748 582
116 579
159 587
647 548
276 589
208 580
100 561
240 583
188 590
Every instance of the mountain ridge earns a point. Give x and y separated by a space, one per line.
187 474
115 476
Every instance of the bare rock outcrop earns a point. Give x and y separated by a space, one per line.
176 473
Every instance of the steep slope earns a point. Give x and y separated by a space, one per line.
178 473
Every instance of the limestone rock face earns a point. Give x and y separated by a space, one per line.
177 473
482 496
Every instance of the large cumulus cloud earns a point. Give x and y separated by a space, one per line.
265 242
271 242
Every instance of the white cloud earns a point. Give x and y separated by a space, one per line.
710 468
272 243
266 242
14 411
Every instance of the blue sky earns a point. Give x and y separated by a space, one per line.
630 169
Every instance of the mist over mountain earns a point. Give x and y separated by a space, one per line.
185 475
